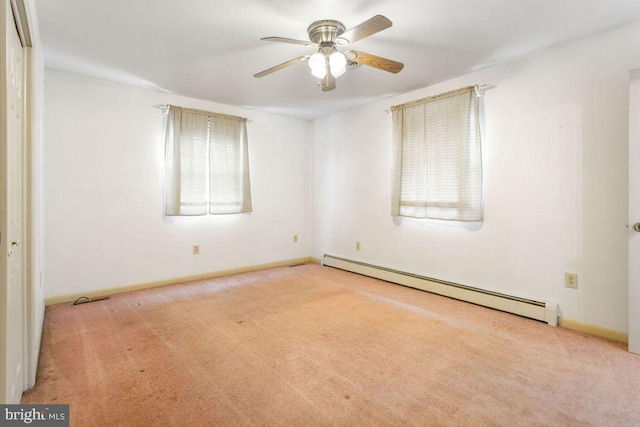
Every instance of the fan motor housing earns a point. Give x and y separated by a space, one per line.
325 31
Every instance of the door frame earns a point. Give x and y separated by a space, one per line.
33 296
634 212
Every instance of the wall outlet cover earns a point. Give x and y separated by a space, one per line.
571 280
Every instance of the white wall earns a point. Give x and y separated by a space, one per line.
104 191
555 181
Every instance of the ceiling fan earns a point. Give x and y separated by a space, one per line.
328 62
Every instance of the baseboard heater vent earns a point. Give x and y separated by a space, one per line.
538 310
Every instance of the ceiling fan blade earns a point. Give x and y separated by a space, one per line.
281 66
290 41
374 61
365 29
328 82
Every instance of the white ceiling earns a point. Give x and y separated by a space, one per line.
210 49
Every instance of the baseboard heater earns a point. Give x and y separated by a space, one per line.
538 310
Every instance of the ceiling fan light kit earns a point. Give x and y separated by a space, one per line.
321 63
317 63
328 63
337 63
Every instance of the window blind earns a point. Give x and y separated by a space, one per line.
206 163
437 160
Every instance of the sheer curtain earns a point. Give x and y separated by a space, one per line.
206 163
437 160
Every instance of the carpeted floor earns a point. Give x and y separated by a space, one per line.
315 346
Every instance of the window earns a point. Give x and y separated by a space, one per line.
206 163
437 161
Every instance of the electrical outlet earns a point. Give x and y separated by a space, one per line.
196 249
357 245
295 238
571 280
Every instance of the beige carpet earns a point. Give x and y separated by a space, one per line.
311 345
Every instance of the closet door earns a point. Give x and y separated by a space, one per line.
12 309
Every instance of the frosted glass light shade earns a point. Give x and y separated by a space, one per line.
338 63
318 65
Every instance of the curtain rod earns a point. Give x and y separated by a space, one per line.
165 106
479 92
481 88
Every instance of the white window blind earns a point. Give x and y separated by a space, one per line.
206 163
437 159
